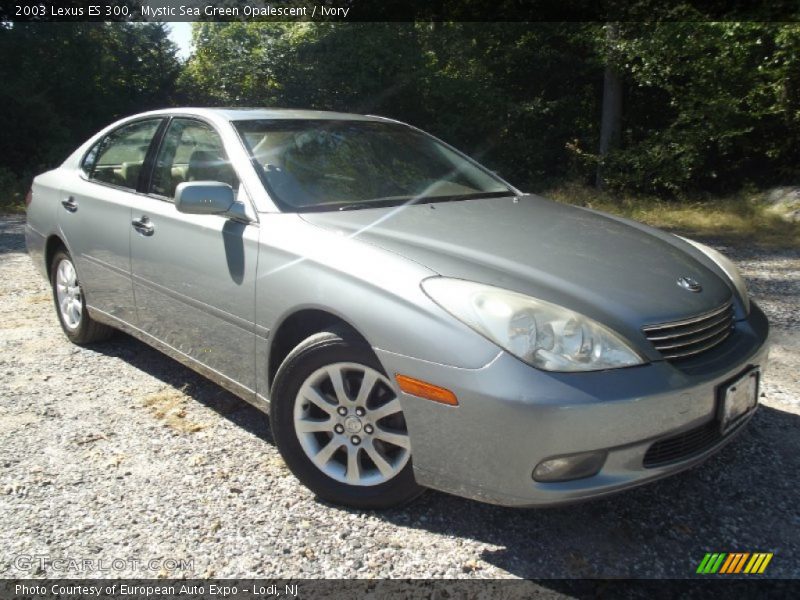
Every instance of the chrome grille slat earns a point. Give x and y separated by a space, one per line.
695 328
690 320
706 333
688 337
710 344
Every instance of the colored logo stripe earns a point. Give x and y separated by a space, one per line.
758 563
711 563
734 562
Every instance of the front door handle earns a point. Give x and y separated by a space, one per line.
143 225
70 204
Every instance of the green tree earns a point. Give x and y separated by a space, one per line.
63 81
705 106
709 106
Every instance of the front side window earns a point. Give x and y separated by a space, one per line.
325 165
191 151
118 157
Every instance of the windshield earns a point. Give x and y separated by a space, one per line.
328 165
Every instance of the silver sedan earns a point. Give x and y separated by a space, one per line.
405 317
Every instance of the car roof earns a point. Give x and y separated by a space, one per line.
247 113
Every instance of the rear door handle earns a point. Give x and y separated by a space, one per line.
143 225
70 204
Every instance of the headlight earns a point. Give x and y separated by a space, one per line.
730 269
542 334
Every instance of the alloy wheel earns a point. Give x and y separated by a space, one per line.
68 294
349 422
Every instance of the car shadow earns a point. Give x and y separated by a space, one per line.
174 374
744 498
12 234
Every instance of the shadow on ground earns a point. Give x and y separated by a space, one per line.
195 386
12 234
743 499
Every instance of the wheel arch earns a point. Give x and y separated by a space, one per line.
53 244
298 326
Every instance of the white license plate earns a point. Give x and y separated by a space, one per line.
738 398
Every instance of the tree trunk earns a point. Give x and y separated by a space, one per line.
611 121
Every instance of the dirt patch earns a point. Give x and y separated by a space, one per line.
169 406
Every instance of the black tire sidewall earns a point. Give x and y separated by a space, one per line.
318 351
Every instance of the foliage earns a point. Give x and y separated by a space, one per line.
743 218
61 82
710 106
707 106
12 192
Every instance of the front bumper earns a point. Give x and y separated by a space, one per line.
512 416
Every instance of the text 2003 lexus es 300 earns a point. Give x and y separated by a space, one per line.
407 318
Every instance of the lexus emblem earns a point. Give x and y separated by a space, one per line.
689 284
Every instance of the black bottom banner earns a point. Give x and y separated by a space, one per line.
442 589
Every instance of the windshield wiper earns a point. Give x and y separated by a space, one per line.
330 206
382 201
393 200
472 196
399 200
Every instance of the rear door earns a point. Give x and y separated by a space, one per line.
194 275
95 216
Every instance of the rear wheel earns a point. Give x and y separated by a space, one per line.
70 303
339 425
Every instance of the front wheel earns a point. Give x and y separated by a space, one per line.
339 425
70 303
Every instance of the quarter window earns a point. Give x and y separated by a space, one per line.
118 157
191 151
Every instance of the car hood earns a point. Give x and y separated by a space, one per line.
616 271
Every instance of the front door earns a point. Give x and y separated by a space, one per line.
194 275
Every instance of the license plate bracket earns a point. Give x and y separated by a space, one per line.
737 398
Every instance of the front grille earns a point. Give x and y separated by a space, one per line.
683 446
681 339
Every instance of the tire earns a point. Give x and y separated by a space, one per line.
70 303
306 421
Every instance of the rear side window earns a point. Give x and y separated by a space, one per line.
119 156
191 151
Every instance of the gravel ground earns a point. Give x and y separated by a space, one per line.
117 452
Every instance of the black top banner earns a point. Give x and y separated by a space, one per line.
400 10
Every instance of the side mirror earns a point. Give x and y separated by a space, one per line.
204 198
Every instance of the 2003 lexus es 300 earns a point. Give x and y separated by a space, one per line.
407 318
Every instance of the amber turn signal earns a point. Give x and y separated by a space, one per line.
415 387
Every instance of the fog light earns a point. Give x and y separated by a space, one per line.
567 468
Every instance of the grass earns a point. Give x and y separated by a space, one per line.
169 406
15 207
12 193
12 209
742 219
